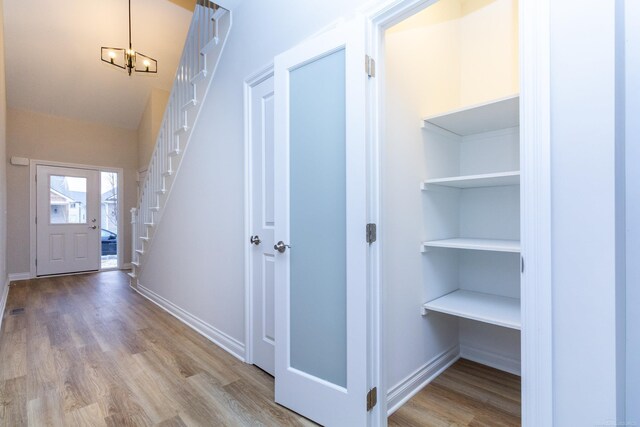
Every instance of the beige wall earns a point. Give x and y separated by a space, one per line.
150 125
3 161
468 61
43 137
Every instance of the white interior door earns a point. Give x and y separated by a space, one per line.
262 223
320 188
67 220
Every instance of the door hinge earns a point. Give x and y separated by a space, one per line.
372 234
372 398
370 66
521 264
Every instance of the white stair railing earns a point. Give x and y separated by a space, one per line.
209 27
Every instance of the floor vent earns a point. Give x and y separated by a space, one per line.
16 311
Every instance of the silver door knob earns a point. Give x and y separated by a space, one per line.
281 247
255 240
93 227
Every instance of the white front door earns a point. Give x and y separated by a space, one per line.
67 220
262 224
320 220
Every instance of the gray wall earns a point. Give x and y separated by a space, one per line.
585 212
633 209
197 258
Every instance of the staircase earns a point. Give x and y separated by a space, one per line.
208 31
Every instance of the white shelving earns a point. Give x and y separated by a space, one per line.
493 309
499 114
476 181
494 245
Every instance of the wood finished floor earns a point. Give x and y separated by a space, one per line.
466 394
88 351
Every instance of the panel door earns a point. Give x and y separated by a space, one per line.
320 219
262 224
68 220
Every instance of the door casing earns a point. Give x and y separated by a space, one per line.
535 137
33 165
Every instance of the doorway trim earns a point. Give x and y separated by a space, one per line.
535 134
33 165
249 83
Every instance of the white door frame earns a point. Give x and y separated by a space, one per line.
249 83
537 369
535 130
33 165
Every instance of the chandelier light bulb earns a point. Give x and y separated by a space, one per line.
110 54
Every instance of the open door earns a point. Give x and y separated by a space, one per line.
320 222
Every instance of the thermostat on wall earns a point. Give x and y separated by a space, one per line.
19 161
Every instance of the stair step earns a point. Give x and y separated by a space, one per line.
154 208
132 275
181 129
210 46
135 264
175 152
161 191
167 173
146 239
140 251
198 77
149 224
190 104
219 13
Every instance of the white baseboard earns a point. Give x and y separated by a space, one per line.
19 276
126 266
3 300
230 344
400 393
492 359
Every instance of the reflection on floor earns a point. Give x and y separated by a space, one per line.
466 394
87 350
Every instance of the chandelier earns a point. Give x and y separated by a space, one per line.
129 59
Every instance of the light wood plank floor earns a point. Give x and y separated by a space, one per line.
89 351
466 394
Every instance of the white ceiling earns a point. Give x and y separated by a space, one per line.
53 56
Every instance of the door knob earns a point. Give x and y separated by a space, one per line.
281 247
255 240
93 227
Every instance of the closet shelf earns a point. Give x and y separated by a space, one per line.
476 181
493 309
499 114
474 244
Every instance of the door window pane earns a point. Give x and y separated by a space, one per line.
67 200
109 219
318 219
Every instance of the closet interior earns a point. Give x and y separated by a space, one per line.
450 226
